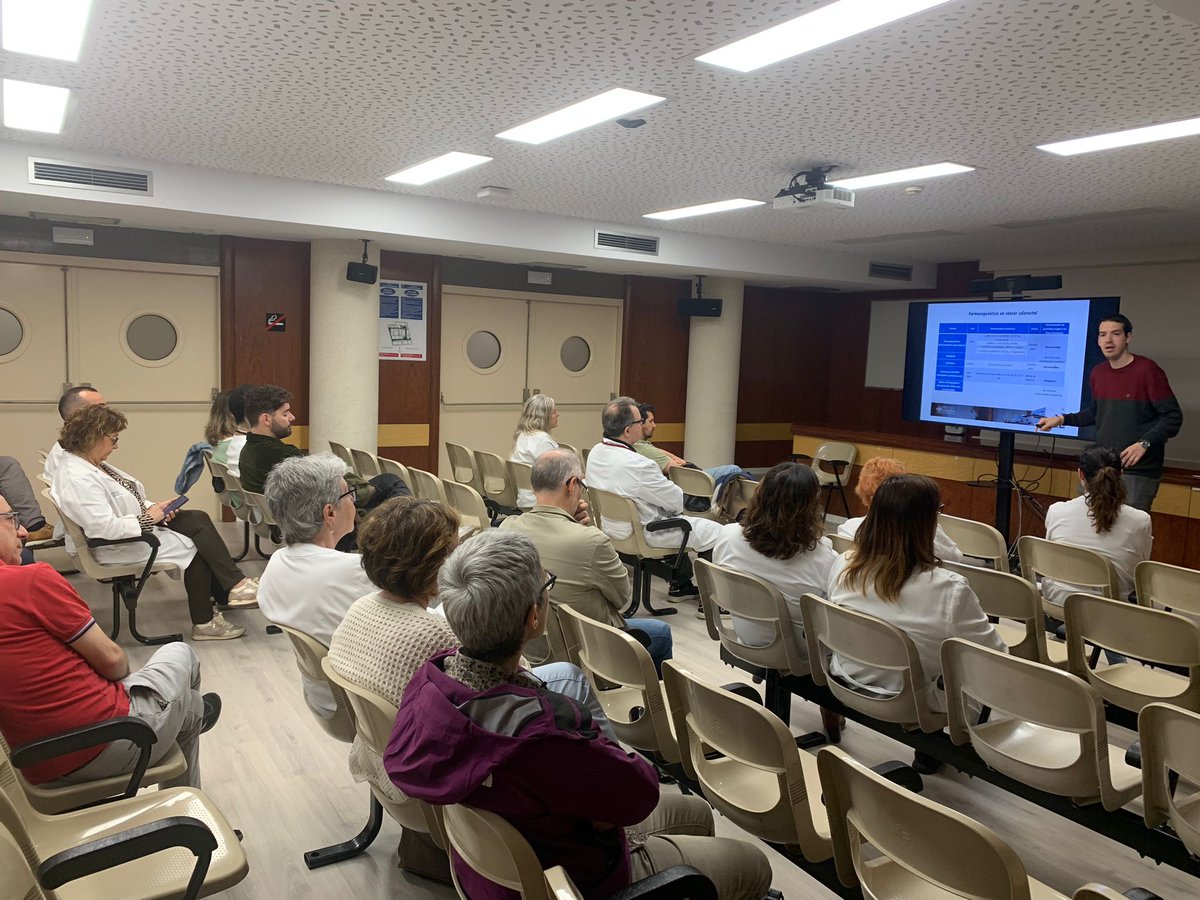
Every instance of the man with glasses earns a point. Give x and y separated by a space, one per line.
475 728
59 671
592 580
615 466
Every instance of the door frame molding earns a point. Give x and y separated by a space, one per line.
464 290
96 262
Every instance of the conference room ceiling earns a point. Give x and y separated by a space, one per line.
348 91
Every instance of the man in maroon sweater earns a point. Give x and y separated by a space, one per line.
1133 408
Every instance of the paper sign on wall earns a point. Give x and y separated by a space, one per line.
402 321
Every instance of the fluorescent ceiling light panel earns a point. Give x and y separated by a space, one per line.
1149 134
900 176
438 167
34 107
703 209
819 28
612 104
49 28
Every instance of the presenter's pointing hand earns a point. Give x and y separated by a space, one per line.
1048 422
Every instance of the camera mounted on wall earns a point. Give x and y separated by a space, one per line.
363 272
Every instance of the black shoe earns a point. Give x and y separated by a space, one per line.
683 589
212 711
925 764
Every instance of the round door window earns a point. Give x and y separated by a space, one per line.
575 354
11 332
151 337
483 350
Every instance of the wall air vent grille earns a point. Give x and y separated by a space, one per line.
894 271
634 243
90 178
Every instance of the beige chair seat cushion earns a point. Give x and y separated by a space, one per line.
885 878
757 791
1141 679
1032 744
1010 631
51 799
1057 652
160 875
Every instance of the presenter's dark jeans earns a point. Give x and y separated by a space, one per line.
213 572
1140 491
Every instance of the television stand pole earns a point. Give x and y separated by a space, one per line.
1004 482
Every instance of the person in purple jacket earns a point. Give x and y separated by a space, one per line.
476 728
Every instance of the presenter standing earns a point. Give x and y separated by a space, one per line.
1133 408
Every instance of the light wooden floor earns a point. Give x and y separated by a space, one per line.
284 782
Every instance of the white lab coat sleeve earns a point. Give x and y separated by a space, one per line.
84 499
967 619
658 490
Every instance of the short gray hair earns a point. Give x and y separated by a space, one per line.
552 469
620 413
487 588
297 490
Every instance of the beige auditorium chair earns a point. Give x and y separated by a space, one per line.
1086 569
498 486
391 467
1170 739
230 498
264 523
426 485
871 642
1017 606
977 540
747 764
126 579
615 510
521 476
833 464
1045 727
564 446
918 848
200 853
247 513
841 543
463 467
365 463
750 597
736 497
52 798
342 453
472 512
1151 635
697 483
623 679
1164 586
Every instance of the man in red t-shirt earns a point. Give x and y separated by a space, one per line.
59 671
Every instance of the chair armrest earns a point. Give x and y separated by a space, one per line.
123 728
125 846
674 522
674 883
145 537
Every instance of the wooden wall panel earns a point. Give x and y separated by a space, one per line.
409 392
260 277
654 347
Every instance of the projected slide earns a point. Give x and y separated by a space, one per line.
1007 363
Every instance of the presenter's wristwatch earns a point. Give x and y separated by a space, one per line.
1145 444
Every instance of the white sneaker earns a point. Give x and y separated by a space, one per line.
244 597
217 630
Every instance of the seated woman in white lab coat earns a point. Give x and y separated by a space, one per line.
532 438
110 504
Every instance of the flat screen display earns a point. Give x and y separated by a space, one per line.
1001 364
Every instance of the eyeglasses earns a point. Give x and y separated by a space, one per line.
637 421
342 496
15 518
115 438
941 506
551 578
579 478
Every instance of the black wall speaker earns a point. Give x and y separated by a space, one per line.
708 306
363 273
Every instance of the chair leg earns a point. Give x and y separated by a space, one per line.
650 608
245 542
116 615
258 547
334 853
131 606
841 490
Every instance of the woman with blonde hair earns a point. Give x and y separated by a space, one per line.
221 425
876 471
532 438
893 575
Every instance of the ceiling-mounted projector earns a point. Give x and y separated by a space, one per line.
808 190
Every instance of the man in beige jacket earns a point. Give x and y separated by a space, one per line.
591 577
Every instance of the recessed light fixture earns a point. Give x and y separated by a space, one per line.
1128 138
438 167
49 28
611 104
819 28
34 107
937 170
703 209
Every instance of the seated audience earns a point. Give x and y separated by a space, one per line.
73 400
876 471
532 438
615 466
592 580
1100 520
893 574
475 728
781 540
14 484
110 504
228 449
387 634
308 585
59 671
665 459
